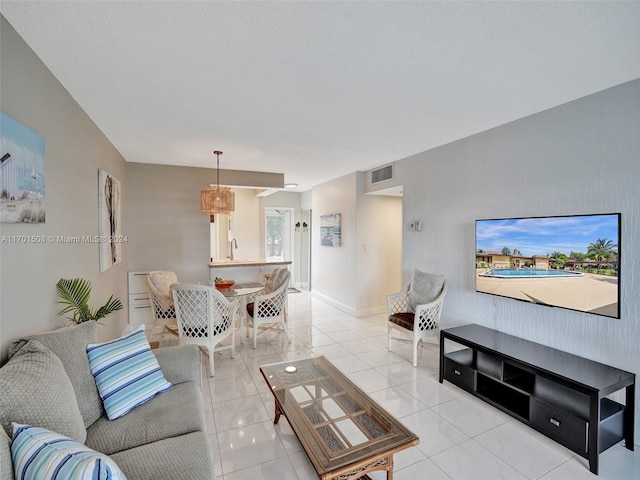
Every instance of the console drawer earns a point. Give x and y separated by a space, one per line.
459 374
563 427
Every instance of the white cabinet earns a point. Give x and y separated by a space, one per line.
139 303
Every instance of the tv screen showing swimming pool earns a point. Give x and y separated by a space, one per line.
569 261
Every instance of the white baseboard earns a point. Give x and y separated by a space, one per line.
364 312
340 306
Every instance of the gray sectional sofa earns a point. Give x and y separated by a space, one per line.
51 386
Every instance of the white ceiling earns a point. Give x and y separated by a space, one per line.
317 90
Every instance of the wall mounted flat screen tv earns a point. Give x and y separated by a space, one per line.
569 261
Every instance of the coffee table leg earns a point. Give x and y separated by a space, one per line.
390 468
278 413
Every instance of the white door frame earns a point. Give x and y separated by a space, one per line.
289 247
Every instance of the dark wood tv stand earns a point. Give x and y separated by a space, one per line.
559 394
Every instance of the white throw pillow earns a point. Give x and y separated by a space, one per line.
127 373
40 454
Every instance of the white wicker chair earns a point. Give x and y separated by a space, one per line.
205 318
267 310
421 325
158 286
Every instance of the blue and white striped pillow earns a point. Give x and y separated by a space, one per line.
40 454
127 373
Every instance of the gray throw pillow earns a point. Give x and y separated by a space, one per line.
69 344
424 288
37 391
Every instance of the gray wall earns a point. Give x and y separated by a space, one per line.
578 158
167 230
74 151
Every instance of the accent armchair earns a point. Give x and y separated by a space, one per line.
267 309
158 286
415 311
205 318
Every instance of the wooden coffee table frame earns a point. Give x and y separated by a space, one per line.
326 445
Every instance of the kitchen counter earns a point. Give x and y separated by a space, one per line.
245 270
247 263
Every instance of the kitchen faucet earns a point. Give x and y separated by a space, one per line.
233 240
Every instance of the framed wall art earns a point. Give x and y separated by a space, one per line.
21 173
330 232
110 218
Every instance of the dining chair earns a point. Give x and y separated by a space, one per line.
158 286
267 309
415 311
205 318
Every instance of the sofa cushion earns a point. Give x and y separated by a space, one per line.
126 372
424 288
174 413
69 344
6 469
39 454
35 390
187 457
182 363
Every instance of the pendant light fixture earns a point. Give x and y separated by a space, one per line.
217 199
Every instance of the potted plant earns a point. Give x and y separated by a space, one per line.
74 293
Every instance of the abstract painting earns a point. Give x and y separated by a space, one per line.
110 217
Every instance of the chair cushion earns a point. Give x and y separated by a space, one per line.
186 457
126 371
276 278
424 288
35 390
176 412
69 344
39 454
403 319
162 281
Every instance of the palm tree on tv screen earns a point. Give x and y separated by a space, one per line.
560 259
602 249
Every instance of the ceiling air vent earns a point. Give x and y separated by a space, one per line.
382 174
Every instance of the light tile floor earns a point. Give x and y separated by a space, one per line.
461 437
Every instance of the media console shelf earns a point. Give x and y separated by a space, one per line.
559 394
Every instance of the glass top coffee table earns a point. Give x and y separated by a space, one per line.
344 432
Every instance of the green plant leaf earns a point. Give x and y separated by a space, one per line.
112 305
74 294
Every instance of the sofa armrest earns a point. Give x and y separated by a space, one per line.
6 468
180 364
